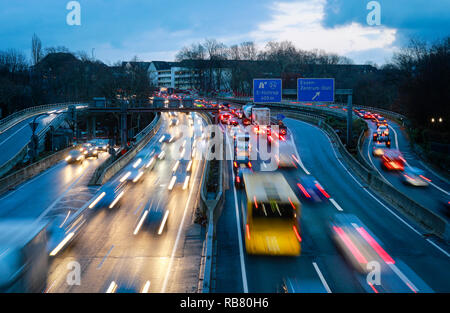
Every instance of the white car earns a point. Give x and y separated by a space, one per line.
415 177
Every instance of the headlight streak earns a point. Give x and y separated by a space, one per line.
94 203
116 200
163 223
62 244
138 227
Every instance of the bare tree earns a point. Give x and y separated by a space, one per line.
36 49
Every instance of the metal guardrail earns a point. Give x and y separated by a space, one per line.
118 164
19 156
11 181
212 208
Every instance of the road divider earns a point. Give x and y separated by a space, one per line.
211 204
112 167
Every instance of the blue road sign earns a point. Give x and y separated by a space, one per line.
280 117
267 90
315 89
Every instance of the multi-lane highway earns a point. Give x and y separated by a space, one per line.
418 262
137 232
119 252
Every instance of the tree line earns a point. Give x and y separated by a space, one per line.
54 74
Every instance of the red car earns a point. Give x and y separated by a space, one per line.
393 160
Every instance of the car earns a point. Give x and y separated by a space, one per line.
110 196
356 242
75 156
378 148
381 131
239 175
233 122
155 214
181 175
368 116
392 160
309 189
166 138
91 152
415 177
381 121
224 117
242 157
102 144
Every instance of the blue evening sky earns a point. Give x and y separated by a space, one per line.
156 29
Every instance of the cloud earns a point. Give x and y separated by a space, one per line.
302 23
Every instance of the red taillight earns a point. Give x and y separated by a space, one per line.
323 191
297 234
307 195
378 249
350 245
238 179
235 164
427 179
256 203
250 164
248 231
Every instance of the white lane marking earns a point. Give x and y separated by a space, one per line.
376 199
338 207
105 257
439 188
395 136
299 160
403 277
322 279
439 248
174 249
238 225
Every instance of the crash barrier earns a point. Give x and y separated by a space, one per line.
19 156
118 164
211 205
19 116
11 181
432 222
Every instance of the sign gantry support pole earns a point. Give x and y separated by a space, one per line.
349 94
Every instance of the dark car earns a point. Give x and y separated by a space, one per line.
75 156
310 189
239 175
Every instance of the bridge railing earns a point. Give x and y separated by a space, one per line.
19 116
20 155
